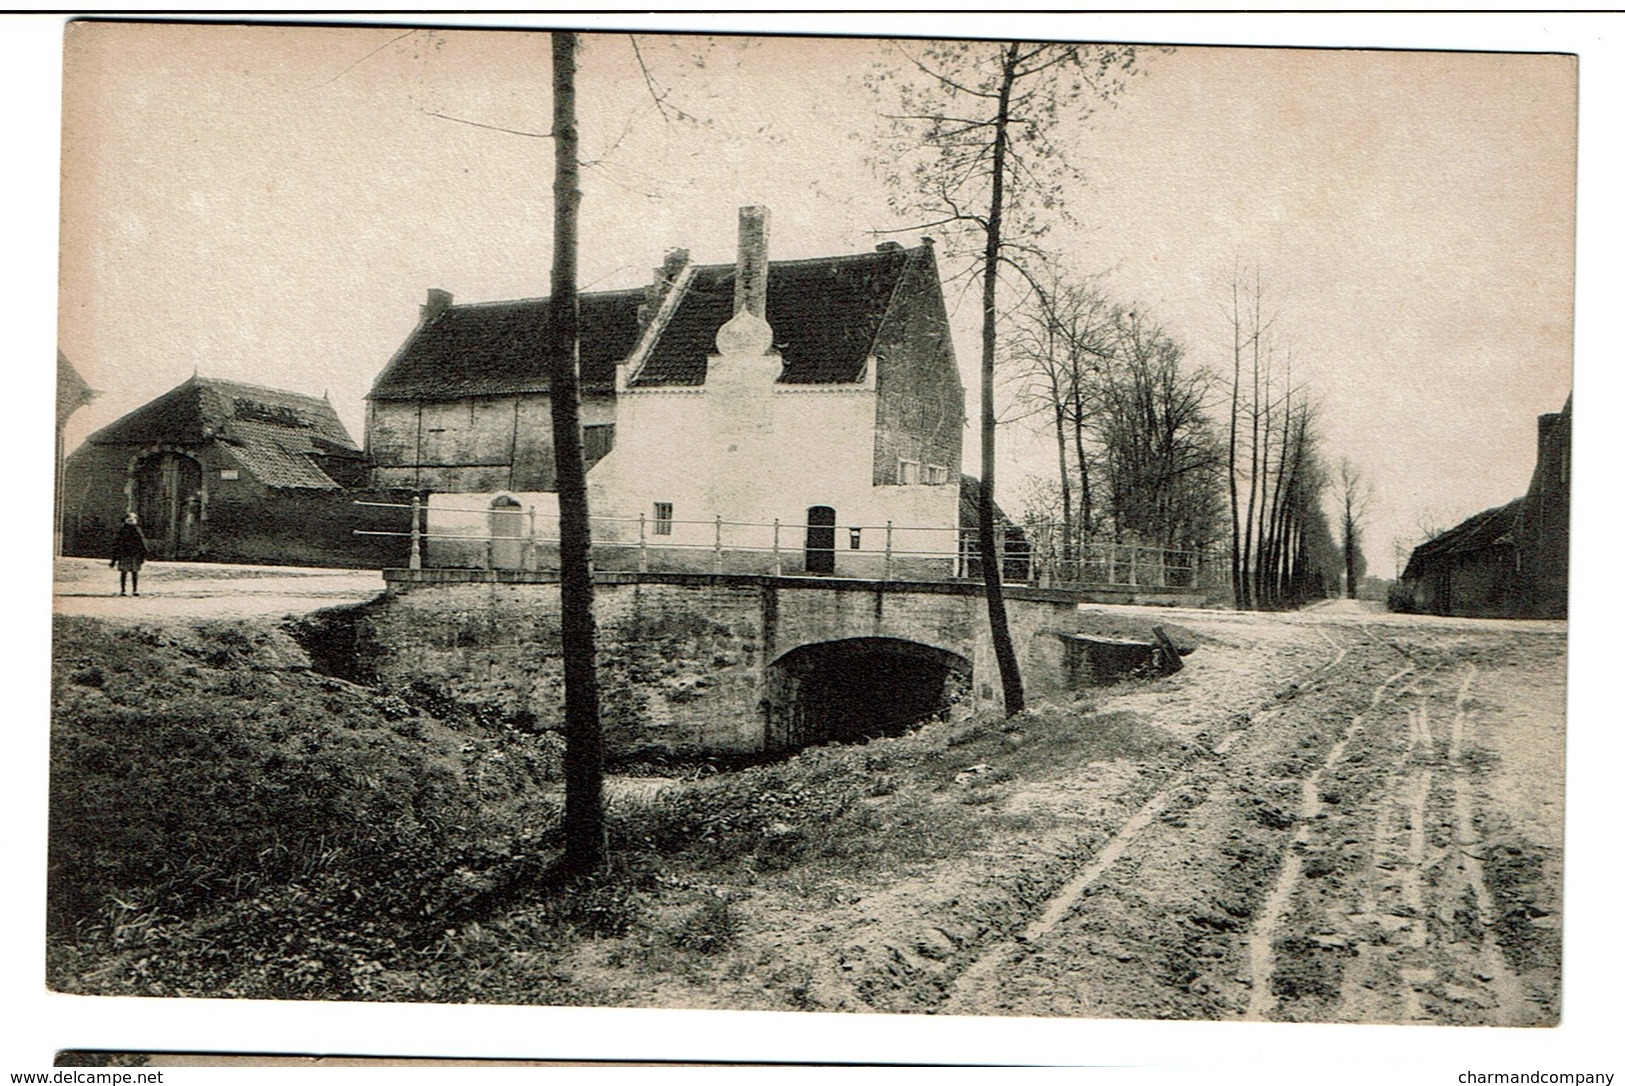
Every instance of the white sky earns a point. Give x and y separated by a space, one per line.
230 282
269 204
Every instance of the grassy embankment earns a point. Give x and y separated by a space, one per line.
227 822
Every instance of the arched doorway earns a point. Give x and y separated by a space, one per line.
507 530
169 500
858 688
820 539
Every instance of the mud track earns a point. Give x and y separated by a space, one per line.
1330 862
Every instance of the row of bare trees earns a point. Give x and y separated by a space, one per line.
1137 456
1281 548
1152 449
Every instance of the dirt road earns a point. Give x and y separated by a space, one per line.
1383 844
84 586
1363 822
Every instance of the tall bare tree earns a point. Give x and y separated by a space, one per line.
1056 344
1160 455
584 744
1353 502
977 123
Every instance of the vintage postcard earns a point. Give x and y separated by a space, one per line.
1059 528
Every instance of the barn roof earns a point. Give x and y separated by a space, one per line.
826 314
275 434
1492 527
500 348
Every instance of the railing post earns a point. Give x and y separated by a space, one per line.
1134 564
643 544
415 559
1111 562
886 570
1162 568
528 559
716 561
778 557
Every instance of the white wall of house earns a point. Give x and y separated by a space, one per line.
750 450
741 448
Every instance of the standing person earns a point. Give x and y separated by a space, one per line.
129 551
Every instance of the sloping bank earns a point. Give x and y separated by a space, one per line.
227 820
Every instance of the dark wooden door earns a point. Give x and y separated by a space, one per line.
168 497
820 539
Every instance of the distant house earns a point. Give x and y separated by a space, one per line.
1510 561
72 393
1011 538
786 412
228 472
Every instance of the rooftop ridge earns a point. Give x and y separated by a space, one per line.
877 255
545 299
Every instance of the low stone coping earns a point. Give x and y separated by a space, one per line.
404 577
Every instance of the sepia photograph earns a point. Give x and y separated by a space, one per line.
905 524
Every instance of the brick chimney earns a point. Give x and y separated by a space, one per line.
750 282
660 284
439 301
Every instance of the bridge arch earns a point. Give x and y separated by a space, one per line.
854 688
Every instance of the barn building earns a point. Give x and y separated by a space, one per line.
1508 562
228 472
800 416
72 393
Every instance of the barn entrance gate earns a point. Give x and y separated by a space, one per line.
168 498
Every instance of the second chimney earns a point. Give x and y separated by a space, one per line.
750 280
439 301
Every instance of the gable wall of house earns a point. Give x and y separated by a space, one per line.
1543 530
479 445
920 410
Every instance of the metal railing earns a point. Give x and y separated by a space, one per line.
626 544
1126 563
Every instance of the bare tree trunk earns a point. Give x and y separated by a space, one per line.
1086 501
1252 476
1066 480
1003 648
584 746
1238 590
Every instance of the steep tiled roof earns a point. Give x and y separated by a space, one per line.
204 407
277 455
500 348
275 434
970 504
825 314
1477 532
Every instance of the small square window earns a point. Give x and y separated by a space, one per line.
662 518
908 472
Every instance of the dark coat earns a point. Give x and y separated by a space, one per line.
130 545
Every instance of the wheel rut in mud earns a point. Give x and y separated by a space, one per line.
1328 863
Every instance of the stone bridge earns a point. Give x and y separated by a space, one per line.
716 662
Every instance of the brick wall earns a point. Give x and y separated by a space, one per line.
471 446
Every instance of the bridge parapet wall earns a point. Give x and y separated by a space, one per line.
683 658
